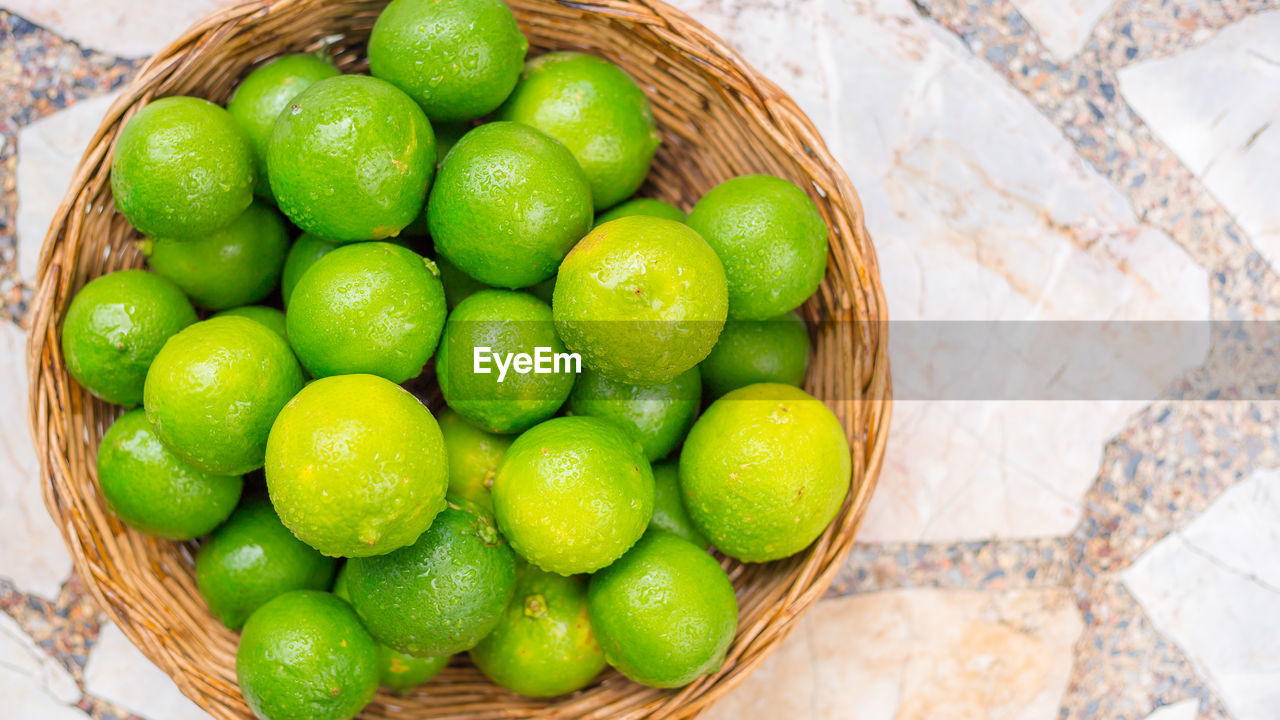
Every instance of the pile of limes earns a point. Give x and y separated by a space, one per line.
556 516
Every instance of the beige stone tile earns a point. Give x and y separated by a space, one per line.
1063 25
130 28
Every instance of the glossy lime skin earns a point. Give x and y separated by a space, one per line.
597 111
669 513
443 593
647 207
304 253
771 239
656 416
506 322
573 494
356 466
265 93
474 458
182 168
305 656
665 613
755 351
215 389
459 59
153 491
114 328
642 299
458 286
268 317
351 158
508 204
237 265
764 471
543 646
374 308
251 559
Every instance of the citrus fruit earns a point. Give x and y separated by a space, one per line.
214 390
351 159
474 457
642 206
669 513
507 205
372 308
356 466
597 111
764 471
182 167
771 239
251 559
114 328
664 613
153 491
656 416
543 645
304 656
754 351
268 317
572 494
304 253
642 299
448 135
509 324
441 594
458 286
458 58
265 93
236 265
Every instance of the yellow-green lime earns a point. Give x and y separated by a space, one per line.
474 457
764 471
304 253
214 390
114 328
642 299
251 559
269 317
754 351
356 466
236 265
656 416
669 513
573 494
155 492
647 207
664 613
182 167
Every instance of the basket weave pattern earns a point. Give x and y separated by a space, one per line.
718 118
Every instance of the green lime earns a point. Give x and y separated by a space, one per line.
153 491
642 299
372 308
443 593
664 613
351 159
668 505
522 377
642 206
114 328
597 111
356 466
656 416
305 656
544 290
304 253
764 471
448 135
474 457
458 286
771 239
458 58
755 351
237 265
572 494
215 389
508 204
265 93
543 646
268 317
182 168
252 558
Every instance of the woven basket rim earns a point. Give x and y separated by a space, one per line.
55 402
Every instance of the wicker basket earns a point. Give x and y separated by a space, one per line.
718 118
